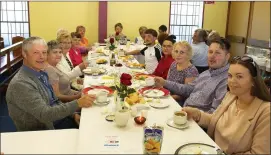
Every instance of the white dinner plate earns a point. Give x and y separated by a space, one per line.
153 93
159 104
198 148
96 91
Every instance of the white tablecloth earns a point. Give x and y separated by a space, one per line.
95 130
95 133
40 142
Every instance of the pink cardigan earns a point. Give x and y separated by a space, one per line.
253 136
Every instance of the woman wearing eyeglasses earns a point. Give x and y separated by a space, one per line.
166 61
182 71
241 124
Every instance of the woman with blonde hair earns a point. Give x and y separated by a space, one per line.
241 123
65 64
182 71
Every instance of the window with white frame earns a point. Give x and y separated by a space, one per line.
14 20
185 18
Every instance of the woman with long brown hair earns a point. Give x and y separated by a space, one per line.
241 124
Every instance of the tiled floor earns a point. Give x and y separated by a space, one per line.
6 124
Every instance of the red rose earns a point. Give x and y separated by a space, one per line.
126 82
125 76
111 40
117 33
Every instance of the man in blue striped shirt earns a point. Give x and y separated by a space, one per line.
207 91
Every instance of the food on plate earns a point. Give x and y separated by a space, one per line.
141 76
126 58
134 98
135 65
97 71
101 61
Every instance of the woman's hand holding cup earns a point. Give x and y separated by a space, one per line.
193 113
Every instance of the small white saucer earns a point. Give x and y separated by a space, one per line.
102 103
171 123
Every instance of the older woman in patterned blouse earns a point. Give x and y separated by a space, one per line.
182 71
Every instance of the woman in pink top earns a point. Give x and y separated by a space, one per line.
74 52
241 124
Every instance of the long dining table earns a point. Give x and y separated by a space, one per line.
95 134
95 131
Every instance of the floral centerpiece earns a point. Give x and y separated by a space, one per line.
122 88
117 36
112 45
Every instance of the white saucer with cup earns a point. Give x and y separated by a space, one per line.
149 81
102 97
180 117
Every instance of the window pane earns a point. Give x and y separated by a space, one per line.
18 27
3 16
26 35
18 6
184 10
3 5
12 27
10 5
190 10
183 20
4 28
188 15
26 28
189 20
11 16
18 16
25 15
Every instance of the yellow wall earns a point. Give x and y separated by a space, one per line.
47 17
261 21
215 17
132 15
238 25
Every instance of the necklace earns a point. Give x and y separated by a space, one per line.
237 109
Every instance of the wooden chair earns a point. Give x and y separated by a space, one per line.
18 51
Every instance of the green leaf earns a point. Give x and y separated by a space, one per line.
131 90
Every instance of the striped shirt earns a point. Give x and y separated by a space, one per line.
205 92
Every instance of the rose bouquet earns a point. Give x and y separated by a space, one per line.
112 45
123 87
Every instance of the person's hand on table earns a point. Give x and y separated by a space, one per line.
193 113
159 82
86 100
83 65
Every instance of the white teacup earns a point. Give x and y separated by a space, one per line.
149 81
101 97
180 117
122 117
